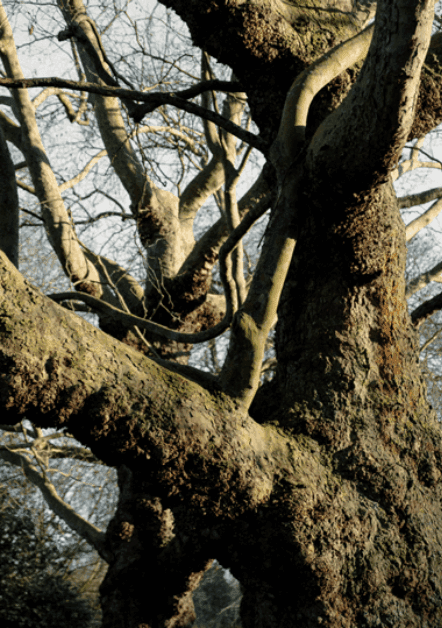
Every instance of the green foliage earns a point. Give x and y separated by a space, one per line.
32 595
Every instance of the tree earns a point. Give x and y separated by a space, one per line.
319 489
32 595
77 562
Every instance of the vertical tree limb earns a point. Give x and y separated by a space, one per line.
9 212
57 223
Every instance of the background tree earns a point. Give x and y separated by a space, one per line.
318 490
32 593
68 486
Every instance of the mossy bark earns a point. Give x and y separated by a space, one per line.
325 500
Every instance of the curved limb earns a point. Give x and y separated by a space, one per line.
56 219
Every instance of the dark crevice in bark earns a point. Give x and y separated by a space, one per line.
155 569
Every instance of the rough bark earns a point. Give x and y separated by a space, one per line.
323 496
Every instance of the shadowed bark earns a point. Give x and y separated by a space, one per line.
319 490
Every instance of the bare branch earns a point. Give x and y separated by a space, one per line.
422 221
258 198
209 86
432 338
108 112
152 102
423 280
373 114
408 165
57 223
210 129
191 142
11 131
426 309
232 214
291 134
73 116
241 372
83 173
129 320
124 282
86 530
26 188
123 303
211 178
228 283
419 199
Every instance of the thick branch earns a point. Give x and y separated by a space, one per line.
211 178
229 285
208 181
64 373
369 129
240 375
291 134
107 110
232 177
411 200
205 252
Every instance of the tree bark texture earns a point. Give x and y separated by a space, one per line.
324 500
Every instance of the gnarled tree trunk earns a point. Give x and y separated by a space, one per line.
320 490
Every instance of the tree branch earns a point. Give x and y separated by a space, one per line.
291 133
420 222
207 247
241 372
127 285
232 177
419 199
129 410
83 173
86 530
152 102
426 309
229 285
423 280
369 129
57 223
9 210
121 153
211 178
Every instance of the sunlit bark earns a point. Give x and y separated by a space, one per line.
320 489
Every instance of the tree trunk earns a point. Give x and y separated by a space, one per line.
324 499
151 579
363 549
